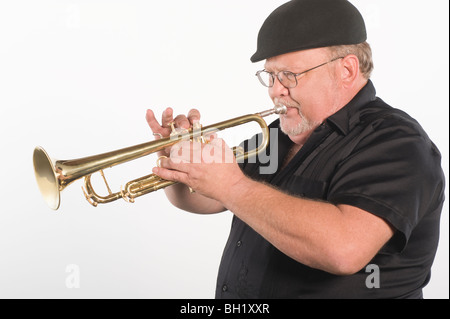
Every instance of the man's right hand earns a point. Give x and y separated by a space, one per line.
164 129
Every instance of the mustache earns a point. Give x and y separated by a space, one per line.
286 103
291 104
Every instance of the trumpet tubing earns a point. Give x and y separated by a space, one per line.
53 176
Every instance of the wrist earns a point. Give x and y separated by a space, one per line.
239 190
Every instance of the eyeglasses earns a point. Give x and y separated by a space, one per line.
286 78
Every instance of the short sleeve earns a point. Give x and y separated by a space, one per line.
394 173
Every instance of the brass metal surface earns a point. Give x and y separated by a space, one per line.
53 176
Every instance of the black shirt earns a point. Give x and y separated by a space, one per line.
368 155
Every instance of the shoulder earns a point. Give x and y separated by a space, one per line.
383 123
379 114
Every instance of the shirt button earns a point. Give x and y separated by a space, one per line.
239 243
224 288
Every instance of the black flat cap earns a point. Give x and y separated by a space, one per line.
307 24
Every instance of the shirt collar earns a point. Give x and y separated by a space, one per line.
345 118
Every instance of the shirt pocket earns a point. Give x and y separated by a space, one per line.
305 187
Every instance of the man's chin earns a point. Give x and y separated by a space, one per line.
295 127
290 128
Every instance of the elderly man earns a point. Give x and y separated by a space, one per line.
353 208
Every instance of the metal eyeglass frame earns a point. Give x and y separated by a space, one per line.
289 73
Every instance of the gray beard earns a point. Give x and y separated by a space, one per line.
304 126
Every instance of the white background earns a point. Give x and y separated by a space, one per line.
76 77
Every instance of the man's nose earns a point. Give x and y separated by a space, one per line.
278 89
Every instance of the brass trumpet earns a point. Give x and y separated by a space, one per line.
53 176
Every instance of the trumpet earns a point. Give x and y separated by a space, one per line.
53 176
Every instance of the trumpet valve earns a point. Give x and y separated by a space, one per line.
197 130
177 131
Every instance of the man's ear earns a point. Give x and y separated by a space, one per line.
350 70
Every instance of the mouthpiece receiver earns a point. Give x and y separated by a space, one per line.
278 109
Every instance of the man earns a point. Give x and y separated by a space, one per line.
353 209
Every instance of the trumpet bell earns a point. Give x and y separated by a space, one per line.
46 178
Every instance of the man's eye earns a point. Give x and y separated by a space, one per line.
289 76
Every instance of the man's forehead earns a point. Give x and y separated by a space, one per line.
296 60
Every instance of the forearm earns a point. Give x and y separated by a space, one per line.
181 197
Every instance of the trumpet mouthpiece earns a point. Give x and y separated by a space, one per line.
280 109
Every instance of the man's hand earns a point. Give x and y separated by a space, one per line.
179 195
164 129
209 169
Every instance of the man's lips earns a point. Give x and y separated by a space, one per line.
291 110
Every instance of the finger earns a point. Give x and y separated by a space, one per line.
171 175
152 122
167 117
171 165
158 131
193 116
182 121
166 163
